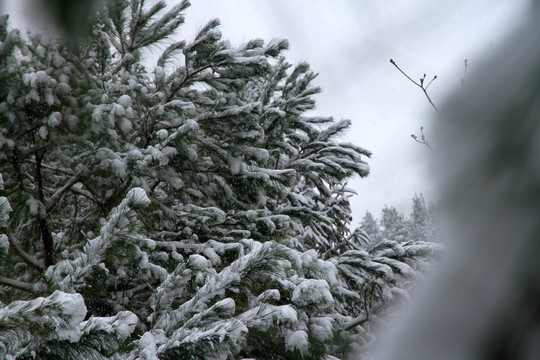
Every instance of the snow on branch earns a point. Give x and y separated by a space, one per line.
263 259
68 275
57 315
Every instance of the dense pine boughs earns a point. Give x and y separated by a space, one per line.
187 209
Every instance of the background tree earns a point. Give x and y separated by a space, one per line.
420 225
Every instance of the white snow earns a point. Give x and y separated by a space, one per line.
298 340
162 134
125 125
5 209
118 110
124 101
314 292
139 199
288 314
54 119
135 155
43 132
125 324
198 262
97 113
72 310
321 328
119 167
268 295
147 344
4 244
33 206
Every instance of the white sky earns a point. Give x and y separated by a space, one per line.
349 43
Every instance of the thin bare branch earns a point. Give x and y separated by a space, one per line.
422 139
419 84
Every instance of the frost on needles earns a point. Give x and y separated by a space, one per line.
188 209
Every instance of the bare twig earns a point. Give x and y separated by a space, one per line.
422 139
419 84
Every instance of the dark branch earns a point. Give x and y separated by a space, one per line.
46 236
55 198
16 284
27 258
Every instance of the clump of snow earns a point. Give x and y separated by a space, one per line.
288 314
97 113
134 155
54 119
5 209
235 164
73 121
321 328
298 340
118 110
139 199
124 101
319 268
125 125
33 206
162 134
119 168
4 244
125 324
43 132
148 346
314 292
72 310
198 262
191 153
225 306
270 295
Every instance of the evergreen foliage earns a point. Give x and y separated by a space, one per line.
191 210
420 226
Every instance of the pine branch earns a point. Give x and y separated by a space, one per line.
46 236
58 312
70 274
55 198
262 258
366 317
187 77
17 284
28 259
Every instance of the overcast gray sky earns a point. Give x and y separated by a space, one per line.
349 43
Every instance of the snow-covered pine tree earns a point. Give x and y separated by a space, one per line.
420 225
187 209
393 224
422 221
371 227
